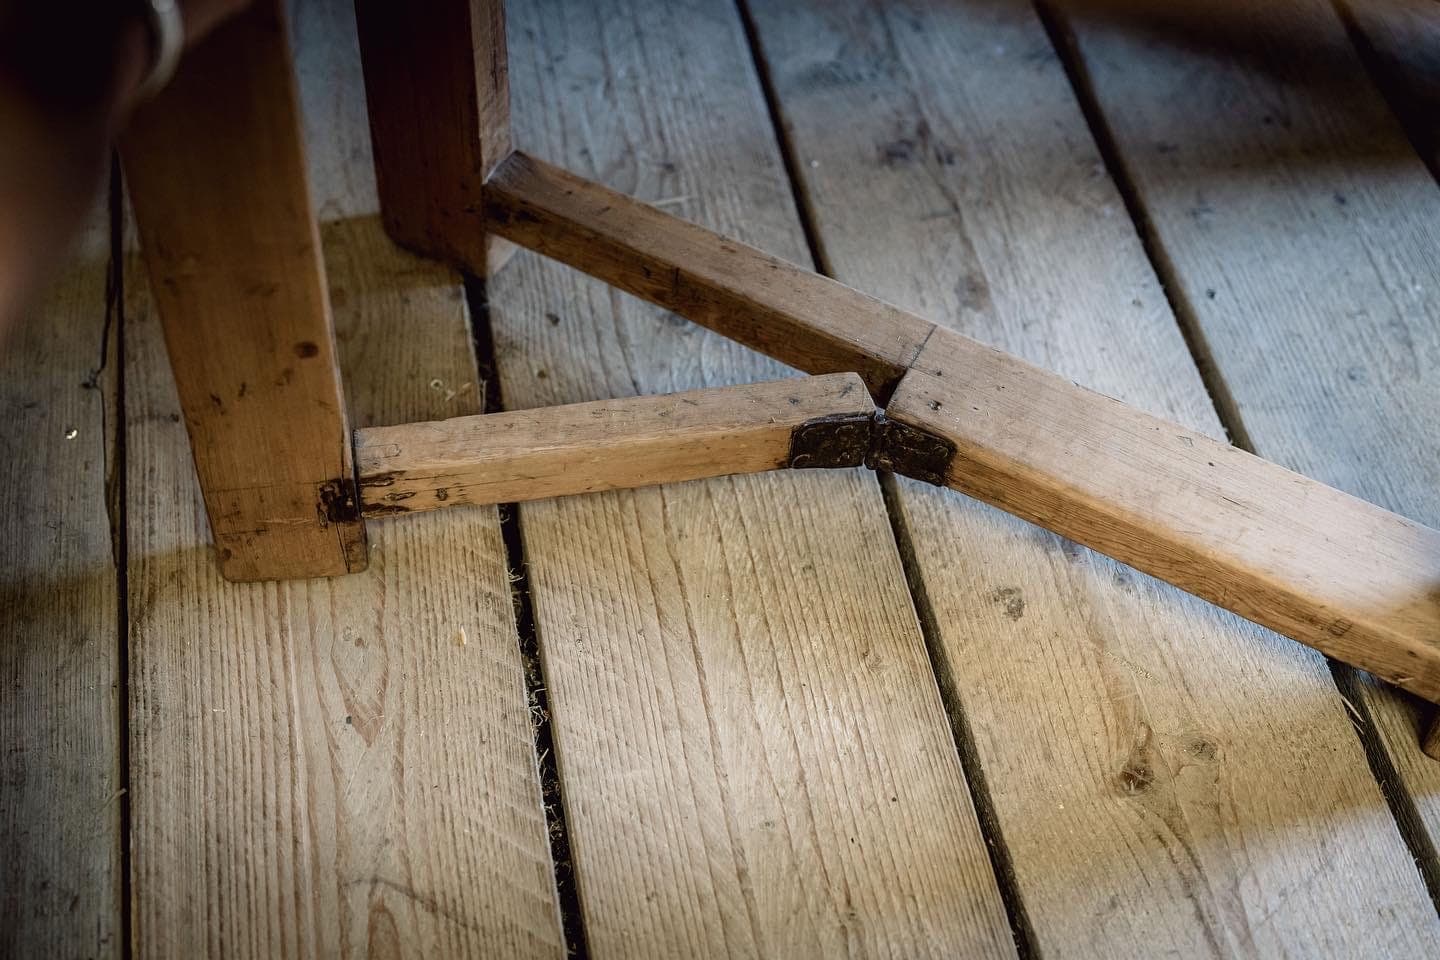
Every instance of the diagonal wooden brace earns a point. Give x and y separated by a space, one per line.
1354 581
613 444
1344 576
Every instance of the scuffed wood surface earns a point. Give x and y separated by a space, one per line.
576 448
755 757
1321 566
239 284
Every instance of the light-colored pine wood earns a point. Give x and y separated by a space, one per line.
1325 568
61 782
216 172
1316 229
761 301
602 445
754 754
438 94
334 767
1166 778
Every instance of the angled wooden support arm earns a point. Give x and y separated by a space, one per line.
614 444
792 314
1354 581
1337 573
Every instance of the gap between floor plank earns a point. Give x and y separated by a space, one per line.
861 55
1021 930
537 698
712 795
119 496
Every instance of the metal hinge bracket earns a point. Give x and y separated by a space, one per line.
853 439
836 440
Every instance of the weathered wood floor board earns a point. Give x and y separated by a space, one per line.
1403 40
338 767
1164 775
61 782
1302 233
754 754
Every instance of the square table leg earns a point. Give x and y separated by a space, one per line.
439 101
215 168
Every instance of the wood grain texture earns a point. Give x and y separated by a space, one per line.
787 312
1354 581
216 172
1401 41
1314 224
1166 777
61 781
334 767
754 754
576 448
439 101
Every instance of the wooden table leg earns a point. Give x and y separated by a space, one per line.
216 172
439 101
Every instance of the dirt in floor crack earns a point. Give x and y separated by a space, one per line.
537 697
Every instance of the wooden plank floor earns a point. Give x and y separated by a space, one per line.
1308 285
781 715
62 783
1167 726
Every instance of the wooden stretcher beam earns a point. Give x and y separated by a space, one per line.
613 444
1339 574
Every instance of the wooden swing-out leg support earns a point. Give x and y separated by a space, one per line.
241 292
